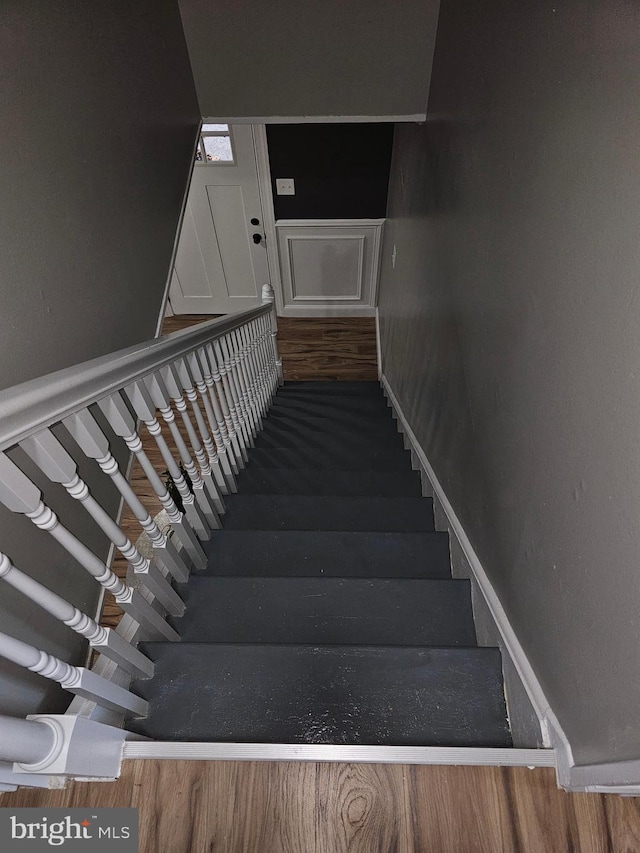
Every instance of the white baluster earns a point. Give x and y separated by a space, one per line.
207 394
209 463
247 334
59 466
235 358
248 392
104 640
20 495
253 334
204 489
272 364
268 296
75 679
220 465
140 399
235 428
208 357
121 421
261 345
238 357
184 387
221 345
94 444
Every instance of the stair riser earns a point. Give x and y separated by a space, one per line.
327 611
282 512
352 420
285 457
328 554
275 481
332 388
380 430
369 406
322 442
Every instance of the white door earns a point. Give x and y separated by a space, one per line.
221 262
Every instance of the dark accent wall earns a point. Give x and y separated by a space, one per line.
99 117
341 171
511 328
325 58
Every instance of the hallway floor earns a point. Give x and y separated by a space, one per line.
232 807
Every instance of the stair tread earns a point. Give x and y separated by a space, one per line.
307 422
305 512
342 611
328 553
331 457
355 417
339 403
351 441
315 481
325 694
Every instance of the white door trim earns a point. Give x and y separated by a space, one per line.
268 213
336 223
176 239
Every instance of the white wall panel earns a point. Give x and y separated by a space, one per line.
329 268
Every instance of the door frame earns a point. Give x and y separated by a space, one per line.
261 149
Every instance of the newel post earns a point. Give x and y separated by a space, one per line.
269 296
61 745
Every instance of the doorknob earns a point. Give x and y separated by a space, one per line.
257 238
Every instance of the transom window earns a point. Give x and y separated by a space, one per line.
215 146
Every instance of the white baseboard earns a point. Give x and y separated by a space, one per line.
329 311
618 777
378 344
553 736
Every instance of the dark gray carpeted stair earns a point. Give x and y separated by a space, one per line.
304 512
328 553
325 694
327 612
340 611
315 481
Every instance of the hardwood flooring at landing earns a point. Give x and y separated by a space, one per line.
321 348
287 807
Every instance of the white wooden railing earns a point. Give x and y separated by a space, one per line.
207 388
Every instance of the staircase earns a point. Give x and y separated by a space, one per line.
327 613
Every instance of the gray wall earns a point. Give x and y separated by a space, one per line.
329 57
99 116
511 330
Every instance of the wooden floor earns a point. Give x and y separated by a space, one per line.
234 807
337 348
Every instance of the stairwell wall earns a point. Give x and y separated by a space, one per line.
509 331
99 119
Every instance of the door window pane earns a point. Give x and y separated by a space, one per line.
208 128
218 149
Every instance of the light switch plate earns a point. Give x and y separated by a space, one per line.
285 186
